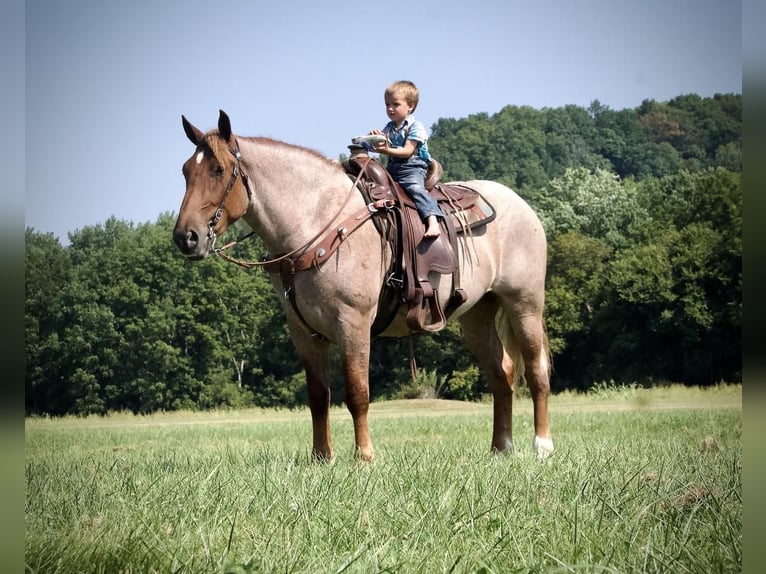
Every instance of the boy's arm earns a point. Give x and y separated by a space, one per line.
410 147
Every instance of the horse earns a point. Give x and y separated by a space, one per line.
291 195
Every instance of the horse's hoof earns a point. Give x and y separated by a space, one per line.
364 455
502 446
543 446
323 457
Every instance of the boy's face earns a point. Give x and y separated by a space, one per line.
397 108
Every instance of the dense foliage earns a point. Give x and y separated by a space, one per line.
643 213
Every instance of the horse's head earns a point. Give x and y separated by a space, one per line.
217 192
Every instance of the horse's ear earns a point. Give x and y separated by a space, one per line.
195 136
224 126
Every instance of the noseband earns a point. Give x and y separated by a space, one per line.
236 172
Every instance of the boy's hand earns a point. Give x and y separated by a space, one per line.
379 146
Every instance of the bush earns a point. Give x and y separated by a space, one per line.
425 385
462 385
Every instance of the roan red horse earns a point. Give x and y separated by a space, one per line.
291 196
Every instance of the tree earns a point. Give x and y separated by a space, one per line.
47 273
596 204
143 329
577 266
664 289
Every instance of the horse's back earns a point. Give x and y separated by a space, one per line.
506 202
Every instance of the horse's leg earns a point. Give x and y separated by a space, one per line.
529 334
313 354
355 353
483 342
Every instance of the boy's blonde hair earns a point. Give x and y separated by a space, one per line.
408 89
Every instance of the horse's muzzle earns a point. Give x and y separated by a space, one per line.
188 242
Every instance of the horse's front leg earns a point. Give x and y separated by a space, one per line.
317 382
313 354
356 371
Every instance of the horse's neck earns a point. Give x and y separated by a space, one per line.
295 192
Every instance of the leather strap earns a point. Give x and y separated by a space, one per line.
329 243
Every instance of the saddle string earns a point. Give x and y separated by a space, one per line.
464 228
302 249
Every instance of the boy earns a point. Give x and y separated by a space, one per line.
407 150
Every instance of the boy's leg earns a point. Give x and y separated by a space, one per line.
427 208
413 182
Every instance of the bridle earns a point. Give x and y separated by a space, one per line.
235 173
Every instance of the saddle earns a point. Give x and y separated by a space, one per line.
415 257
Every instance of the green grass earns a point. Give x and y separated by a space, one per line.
641 481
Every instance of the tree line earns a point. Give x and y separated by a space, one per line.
642 209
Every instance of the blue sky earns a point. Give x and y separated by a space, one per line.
107 81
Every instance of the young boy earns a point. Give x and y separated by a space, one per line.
407 150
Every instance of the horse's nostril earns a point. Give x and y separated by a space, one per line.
185 240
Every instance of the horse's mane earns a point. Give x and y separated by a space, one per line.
220 148
305 150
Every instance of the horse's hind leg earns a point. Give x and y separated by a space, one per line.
482 340
529 334
520 347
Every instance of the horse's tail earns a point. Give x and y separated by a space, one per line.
512 347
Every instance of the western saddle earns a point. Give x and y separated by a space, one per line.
415 257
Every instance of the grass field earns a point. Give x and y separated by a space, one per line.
641 481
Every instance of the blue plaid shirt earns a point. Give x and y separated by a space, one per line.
411 129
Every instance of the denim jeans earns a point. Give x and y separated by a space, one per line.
411 175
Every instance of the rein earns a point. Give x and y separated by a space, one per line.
369 209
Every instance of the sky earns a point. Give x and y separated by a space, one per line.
106 81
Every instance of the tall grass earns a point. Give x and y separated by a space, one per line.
650 485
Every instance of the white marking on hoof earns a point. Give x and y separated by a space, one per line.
200 156
543 446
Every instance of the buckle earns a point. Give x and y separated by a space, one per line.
395 282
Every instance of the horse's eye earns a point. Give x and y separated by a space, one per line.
218 171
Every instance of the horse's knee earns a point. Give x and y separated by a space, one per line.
357 397
502 388
319 400
358 405
537 374
539 386
317 387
